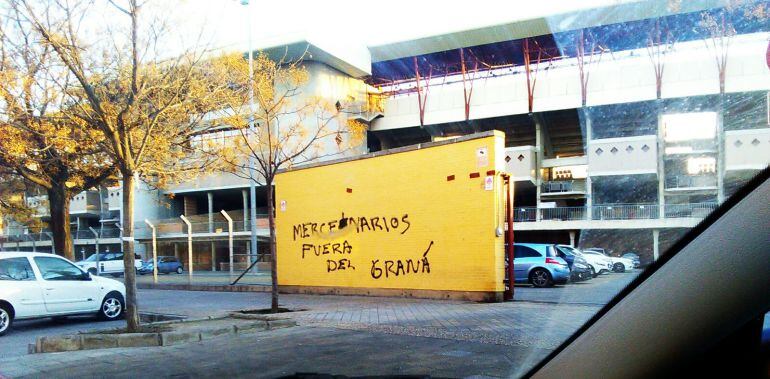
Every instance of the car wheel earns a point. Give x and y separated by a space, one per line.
619 267
179 270
112 307
593 272
540 278
6 318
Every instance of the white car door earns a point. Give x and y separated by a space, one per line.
19 285
66 288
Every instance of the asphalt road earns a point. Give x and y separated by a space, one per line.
595 292
190 304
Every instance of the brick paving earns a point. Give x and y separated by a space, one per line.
520 324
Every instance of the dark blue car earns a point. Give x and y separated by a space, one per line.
166 265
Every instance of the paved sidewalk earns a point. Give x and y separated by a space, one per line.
286 351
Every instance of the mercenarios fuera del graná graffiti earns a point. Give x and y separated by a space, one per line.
362 224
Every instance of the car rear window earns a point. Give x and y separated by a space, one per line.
550 251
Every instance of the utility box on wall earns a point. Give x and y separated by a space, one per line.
417 221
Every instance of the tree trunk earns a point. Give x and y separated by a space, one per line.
59 207
273 255
132 310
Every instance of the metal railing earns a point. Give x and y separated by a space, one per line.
557 186
563 213
47 236
625 211
684 181
82 235
525 214
613 212
697 210
168 227
109 233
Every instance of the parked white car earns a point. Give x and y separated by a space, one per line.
600 263
37 285
619 264
109 263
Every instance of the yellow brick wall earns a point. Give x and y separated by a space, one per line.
453 221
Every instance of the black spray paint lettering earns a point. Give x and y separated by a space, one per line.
398 267
363 224
339 265
326 249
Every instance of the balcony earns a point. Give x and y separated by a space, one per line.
613 212
114 198
86 203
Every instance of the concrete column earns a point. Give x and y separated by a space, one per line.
589 186
538 166
661 168
720 153
213 257
210 196
176 250
245 195
572 238
248 251
589 199
655 244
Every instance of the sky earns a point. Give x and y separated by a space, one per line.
366 23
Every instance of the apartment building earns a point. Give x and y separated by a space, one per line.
625 126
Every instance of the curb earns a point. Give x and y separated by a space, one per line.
93 341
